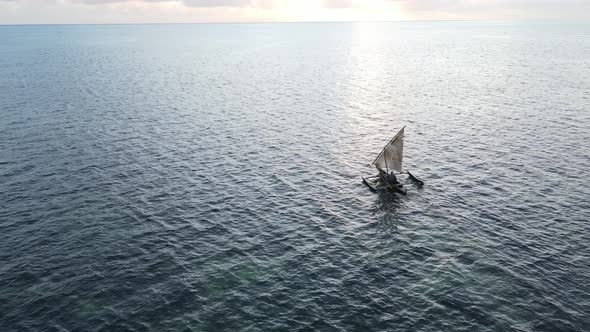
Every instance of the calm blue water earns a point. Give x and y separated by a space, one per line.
207 177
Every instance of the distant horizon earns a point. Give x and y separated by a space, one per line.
310 22
84 12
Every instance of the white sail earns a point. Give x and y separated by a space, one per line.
392 155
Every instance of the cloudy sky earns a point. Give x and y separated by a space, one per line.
168 11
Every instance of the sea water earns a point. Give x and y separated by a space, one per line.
208 177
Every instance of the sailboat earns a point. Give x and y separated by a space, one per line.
389 163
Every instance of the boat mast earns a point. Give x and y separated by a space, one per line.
385 159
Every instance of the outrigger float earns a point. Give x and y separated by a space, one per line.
391 157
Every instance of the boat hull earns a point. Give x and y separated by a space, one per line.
375 185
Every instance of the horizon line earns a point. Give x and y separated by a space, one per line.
296 22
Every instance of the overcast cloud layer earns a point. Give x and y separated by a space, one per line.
140 11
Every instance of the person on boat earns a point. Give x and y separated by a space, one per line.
391 178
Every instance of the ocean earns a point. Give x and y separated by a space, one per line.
207 177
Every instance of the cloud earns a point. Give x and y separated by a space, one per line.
219 3
165 11
469 5
189 3
339 4
473 5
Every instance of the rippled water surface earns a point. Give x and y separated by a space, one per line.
207 177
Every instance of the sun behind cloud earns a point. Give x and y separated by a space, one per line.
336 10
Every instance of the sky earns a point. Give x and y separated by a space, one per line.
201 11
